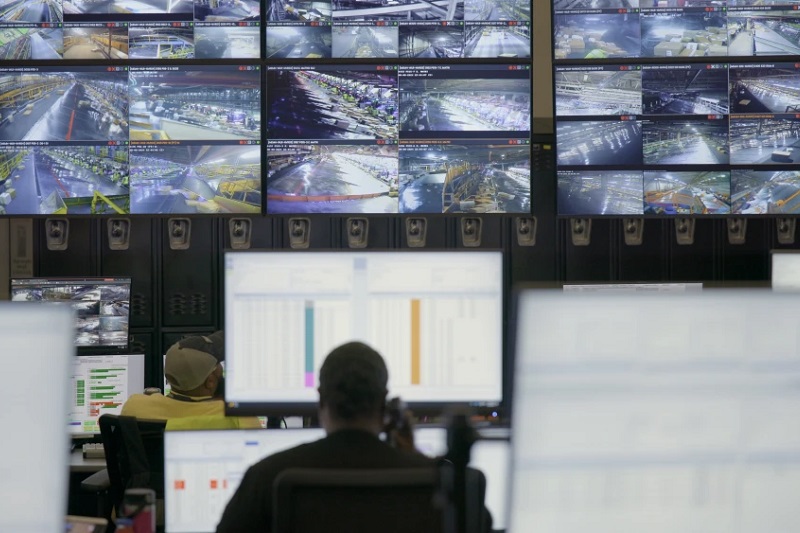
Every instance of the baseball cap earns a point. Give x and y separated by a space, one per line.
191 360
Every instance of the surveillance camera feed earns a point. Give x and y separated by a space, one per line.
687 193
599 142
101 305
465 177
685 141
407 139
613 33
600 29
758 192
677 129
295 42
311 29
688 32
598 90
464 99
400 11
195 177
59 178
358 41
765 88
763 28
130 29
56 104
695 89
599 192
195 139
331 102
331 177
765 139
71 138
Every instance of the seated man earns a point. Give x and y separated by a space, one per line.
193 370
352 400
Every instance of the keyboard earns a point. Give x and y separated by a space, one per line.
93 450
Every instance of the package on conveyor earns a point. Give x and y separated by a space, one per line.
668 49
717 50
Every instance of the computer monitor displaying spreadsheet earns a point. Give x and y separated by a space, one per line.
101 305
202 470
100 385
662 412
435 316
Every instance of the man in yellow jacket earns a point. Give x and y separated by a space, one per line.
194 371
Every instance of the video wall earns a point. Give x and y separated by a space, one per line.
368 106
677 107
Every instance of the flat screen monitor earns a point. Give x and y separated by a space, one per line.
659 411
202 470
678 29
125 29
143 139
101 305
398 138
785 270
37 353
100 385
676 107
435 316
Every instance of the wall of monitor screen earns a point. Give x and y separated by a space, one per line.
675 107
238 106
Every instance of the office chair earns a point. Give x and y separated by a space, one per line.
134 451
396 500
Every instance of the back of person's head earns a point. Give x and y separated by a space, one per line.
352 382
190 361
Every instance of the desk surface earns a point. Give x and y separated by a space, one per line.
77 463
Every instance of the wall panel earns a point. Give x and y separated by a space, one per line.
190 288
138 262
78 259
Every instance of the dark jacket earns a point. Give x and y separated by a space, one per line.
250 508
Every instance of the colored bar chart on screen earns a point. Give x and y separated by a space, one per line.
101 384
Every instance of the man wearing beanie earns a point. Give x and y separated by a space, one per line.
192 368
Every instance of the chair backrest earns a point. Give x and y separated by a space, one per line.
397 500
134 450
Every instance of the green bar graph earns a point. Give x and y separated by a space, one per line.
80 391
